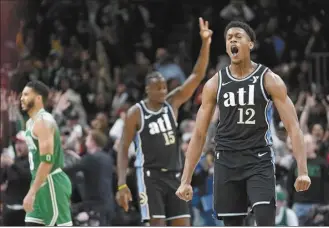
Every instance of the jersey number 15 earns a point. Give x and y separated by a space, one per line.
169 138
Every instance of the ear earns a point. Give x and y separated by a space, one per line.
251 45
39 97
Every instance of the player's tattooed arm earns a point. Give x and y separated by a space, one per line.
44 130
131 125
276 88
181 94
203 119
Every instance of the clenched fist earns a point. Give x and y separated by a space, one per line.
185 192
123 197
302 183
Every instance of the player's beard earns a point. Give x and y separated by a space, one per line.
29 105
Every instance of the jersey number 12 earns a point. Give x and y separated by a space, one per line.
246 116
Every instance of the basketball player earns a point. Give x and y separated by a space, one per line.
48 200
153 124
244 167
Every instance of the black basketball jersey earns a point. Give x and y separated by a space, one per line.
156 142
245 111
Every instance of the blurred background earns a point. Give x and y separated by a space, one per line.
95 54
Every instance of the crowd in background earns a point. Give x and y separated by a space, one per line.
95 54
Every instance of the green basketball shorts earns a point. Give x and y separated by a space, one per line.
52 201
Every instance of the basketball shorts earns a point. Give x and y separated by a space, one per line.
52 201
157 195
242 180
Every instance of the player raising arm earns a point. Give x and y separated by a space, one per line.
152 124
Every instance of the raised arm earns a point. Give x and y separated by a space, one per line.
276 88
194 150
181 94
310 102
129 131
44 130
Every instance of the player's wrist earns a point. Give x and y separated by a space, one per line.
302 171
122 186
186 181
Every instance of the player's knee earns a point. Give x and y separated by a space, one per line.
233 220
265 214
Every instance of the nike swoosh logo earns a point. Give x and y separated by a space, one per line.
261 155
223 84
148 117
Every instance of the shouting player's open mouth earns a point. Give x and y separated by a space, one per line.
234 50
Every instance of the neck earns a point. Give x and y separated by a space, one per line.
94 150
242 69
153 106
33 111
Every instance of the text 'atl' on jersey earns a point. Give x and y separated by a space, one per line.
156 142
245 111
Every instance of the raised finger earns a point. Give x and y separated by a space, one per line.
201 23
206 25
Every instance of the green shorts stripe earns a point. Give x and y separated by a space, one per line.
66 224
53 200
34 220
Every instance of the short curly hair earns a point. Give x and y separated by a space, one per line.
244 26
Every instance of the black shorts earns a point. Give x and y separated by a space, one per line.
157 194
243 179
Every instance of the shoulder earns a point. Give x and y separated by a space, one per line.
133 115
212 83
211 86
274 84
134 110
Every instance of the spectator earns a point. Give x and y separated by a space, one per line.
318 171
15 182
284 215
97 168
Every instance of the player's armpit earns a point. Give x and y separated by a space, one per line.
276 88
131 123
203 119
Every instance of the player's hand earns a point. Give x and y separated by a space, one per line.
123 197
28 202
185 192
205 32
302 183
